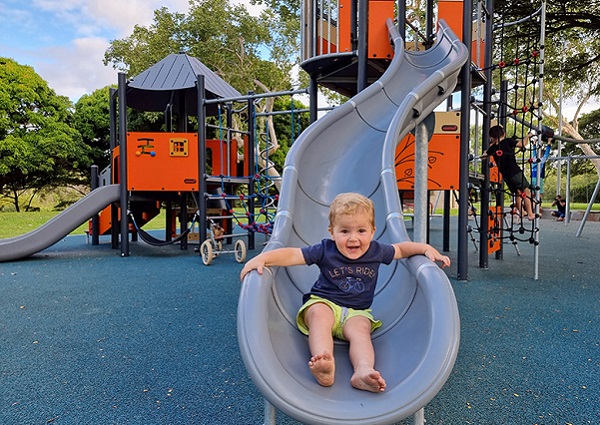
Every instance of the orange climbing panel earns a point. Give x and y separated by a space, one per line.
451 11
378 35
162 161
494 229
443 155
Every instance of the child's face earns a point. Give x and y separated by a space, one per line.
352 234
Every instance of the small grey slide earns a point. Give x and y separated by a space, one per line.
352 148
60 226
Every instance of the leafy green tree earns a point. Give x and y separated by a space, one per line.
590 126
225 38
283 17
39 148
571 58
92 120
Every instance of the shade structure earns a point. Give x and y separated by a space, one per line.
171 83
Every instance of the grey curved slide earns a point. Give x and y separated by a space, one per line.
352 148
59 226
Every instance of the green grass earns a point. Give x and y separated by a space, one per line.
15 224
18 223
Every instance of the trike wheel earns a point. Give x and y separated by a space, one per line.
240 251
206 251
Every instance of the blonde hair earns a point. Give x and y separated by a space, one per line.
349 204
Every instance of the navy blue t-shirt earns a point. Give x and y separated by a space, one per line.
348 283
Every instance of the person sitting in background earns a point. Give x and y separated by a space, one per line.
561 207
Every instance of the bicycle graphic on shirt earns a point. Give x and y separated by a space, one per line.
351 283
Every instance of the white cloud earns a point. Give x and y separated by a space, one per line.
570 107
91 17
65 40
56 6
122 16
76 69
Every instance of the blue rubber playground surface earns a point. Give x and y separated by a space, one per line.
88 337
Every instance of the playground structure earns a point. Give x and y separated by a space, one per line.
186 166
197 179
339 59
364 145
517 106
512 97
150 171
353 148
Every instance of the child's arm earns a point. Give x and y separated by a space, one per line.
547 150
523 143
489 151
408 249
486 154
278 257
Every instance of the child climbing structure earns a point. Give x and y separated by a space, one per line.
516 105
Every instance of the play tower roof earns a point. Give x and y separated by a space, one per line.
172 81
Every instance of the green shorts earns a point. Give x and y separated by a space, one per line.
341 314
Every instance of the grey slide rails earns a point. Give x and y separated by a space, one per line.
60 226
352 148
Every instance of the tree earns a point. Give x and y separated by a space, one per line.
590 126
92 120
226 39
571 58
250 53
38 146
284 24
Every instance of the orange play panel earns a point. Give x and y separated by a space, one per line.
443 155
162 161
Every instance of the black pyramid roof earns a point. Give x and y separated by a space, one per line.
173 81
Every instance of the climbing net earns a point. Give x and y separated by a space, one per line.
255 210
519 71
259 222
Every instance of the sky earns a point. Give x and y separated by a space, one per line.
65 40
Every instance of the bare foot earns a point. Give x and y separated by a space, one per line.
322 366
368 380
